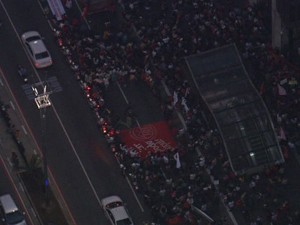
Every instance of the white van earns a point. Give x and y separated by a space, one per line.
10 213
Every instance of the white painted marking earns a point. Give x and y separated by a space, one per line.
16 189
132 189
1 82
24 130
56 114
40 4
12 105
21 187
9 161
33 212
122 92
78 6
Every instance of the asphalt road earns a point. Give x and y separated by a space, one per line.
78 157
7 186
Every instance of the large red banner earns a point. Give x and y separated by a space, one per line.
155 137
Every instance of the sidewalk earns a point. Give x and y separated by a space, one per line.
8 145
15 136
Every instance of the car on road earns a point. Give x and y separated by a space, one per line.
36 49
9 211
115 211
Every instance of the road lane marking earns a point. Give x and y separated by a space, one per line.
55 112
16 190
1 82
12 105
53 107
25 132
20 113
64 131
132 189
21 187
122 92
45 13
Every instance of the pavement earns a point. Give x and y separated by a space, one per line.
15 137
8 145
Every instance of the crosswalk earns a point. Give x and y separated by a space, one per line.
52 83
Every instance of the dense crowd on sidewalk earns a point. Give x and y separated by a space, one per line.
168 31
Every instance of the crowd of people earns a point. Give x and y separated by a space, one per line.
167 31
171 30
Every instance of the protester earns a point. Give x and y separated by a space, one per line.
173 182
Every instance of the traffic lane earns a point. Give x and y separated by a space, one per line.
94 153
68 92
26 15
30 111
11 52
53 71
7 186
68 173
136 96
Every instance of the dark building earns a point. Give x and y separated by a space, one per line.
286 26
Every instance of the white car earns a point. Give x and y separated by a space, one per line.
9 211
115 211
36 49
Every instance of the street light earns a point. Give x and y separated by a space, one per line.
42 101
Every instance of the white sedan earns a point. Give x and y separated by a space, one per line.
115 211
36 49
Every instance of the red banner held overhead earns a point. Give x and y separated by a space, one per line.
149 138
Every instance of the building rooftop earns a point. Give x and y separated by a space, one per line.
239 111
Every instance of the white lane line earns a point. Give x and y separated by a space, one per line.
45 13
122 92
66 134
53 107
9 161
24 130
16 190
77 156
128 181
21 187
33 212
81 12
132 189
12 105
135 196
126 100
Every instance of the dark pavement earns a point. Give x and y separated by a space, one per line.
71 128
73 141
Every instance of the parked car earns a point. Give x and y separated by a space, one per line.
9 211
36 49
115 211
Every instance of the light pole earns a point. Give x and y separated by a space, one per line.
42 101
